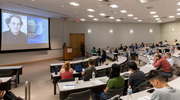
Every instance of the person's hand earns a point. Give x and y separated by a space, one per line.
63 66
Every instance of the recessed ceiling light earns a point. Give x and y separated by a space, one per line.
113 6
74 3
118 20
33 0
143 1
152 12
178 3
100 0
171 16
83 19
139 20
155 16
178 13
123 11
90 16
158 19
102 14
90 10
135 18
130 15
111 17
95 19
62 6
178 9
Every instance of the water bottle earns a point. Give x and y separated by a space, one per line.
93 75
55 70
129 93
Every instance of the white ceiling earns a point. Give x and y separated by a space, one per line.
62 8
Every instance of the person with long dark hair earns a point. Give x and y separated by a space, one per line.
115 81
103 57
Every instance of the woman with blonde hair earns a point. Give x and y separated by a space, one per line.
66 71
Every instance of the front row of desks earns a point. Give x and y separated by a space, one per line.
6 84
96 83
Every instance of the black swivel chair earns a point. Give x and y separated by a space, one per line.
112 92
84 95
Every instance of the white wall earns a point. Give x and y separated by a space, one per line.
167 34
56 31
100 36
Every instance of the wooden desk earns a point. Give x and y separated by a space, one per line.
6 83
15 70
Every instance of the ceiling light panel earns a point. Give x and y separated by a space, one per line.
82 19
118 20
95 19
123 11
135 18
171 16
102 14
74 3
143 1
90 16
111 17
90 10
130 15
155 16
152 12
113 6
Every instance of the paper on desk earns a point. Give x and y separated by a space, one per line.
97 82
144 98
69 86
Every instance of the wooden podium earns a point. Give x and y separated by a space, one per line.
68 53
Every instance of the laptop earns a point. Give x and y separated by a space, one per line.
78 68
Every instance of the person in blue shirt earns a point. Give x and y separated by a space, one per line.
148 52
103 57
172 50
135 47
133 53
131 46
115 50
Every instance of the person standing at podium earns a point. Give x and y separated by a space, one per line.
64 45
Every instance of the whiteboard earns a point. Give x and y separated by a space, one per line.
56 43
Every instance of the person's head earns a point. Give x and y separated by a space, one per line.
132 66
115 48
147 49
14 23
131 44
91 62
107 46
168 55
135 44
94 48
175 40
157 56
172 48
152 44
99 49
142 43
165 41
146 45
115 71
124 49
67 65
121 45
177 48
156 79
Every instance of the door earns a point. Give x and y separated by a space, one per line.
75 40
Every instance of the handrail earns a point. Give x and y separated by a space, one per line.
27 90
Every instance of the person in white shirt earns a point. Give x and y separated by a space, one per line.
169 59
165 43
146 46
177 52
175 42
163 91
108 49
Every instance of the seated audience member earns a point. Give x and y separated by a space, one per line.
121 47
131 46
142 45
136 46
108 49
137 77
175 42
99 52
169 59
160 44
93 50
115 81
152 46
148 52
165 43
87 74
125 53
162 64
177 52
159 51
172 50
66 71
115 50
126 48
133 53
103 57
163 91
